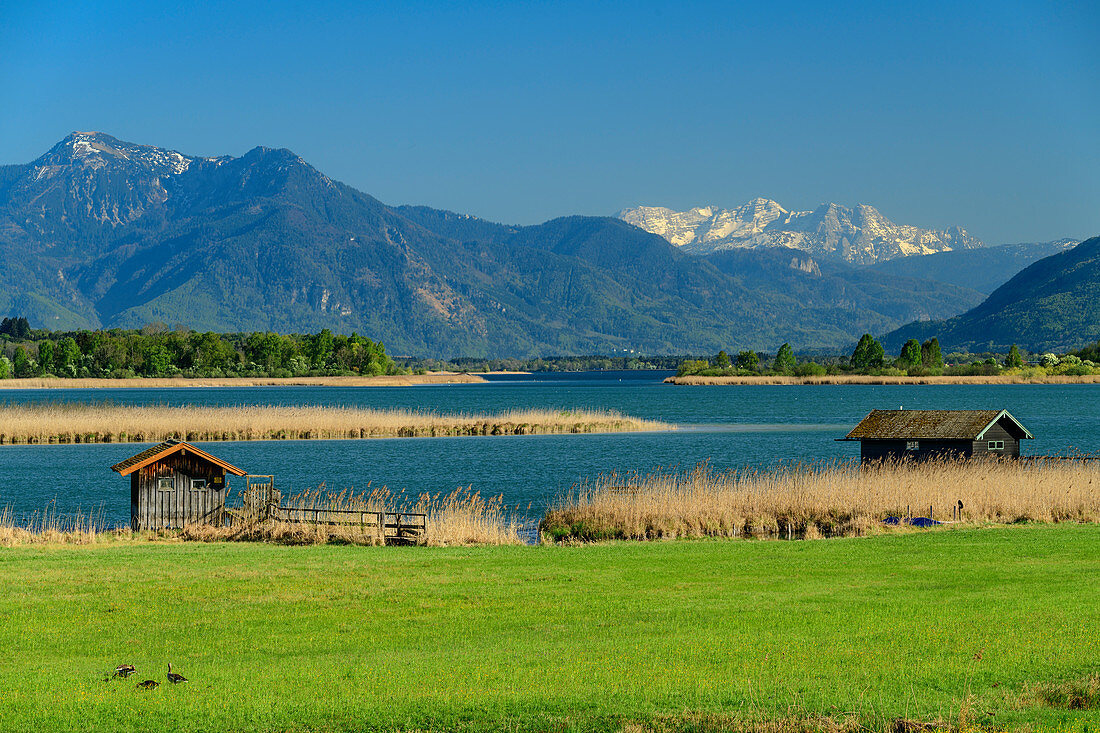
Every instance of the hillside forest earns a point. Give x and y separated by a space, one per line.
157 351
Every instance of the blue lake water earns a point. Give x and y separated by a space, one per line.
731 427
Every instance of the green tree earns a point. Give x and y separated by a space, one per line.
910 354
319 349
157 361
810 369
868 354
5 367
17 328
21 363
722 360
1014 360
46 356
691 366
784 359
67 357
265 350
748 360
930 354
209 351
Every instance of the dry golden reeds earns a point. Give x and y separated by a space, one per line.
48 526
108 423
696 381
462 517
824 500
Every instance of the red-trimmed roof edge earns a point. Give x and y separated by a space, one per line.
165 449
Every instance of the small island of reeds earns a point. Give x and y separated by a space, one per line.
71 422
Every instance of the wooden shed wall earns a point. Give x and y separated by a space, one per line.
877 450
154 508
997 432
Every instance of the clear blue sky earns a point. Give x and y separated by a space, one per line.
985 115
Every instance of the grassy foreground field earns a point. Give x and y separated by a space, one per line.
703 635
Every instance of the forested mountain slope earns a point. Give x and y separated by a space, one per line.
1052 305
100 232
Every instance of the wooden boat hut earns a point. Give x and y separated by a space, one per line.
174 484
923 434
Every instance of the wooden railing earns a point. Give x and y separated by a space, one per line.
399 526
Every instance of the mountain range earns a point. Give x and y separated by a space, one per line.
983 269
861 235
1051 305
98 232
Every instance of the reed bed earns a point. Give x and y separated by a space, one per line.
696 381
831 499
387 380
460 518
69 422
48 526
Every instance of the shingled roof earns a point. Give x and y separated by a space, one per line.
930 425
167 448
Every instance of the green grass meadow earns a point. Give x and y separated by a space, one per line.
700 635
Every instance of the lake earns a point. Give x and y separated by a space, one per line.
731 427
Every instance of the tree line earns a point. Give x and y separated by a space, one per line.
868 357
590 363
156 351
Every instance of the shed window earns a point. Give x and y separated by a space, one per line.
198 483
165 484
996 445
912 445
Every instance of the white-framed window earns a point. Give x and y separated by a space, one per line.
912 445
996 445
164 483
198 483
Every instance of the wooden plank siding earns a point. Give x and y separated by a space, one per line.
182 502
995 433
877 450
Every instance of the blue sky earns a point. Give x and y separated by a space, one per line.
985 115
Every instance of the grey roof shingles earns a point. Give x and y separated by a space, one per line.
926 424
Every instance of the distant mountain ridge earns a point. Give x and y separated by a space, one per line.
1051 305
983 269
861 235
100 232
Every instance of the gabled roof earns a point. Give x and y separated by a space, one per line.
931 425
165 449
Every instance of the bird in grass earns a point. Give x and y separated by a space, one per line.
148 685
124 670
174 678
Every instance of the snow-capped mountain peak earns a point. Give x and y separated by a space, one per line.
96 149
861 235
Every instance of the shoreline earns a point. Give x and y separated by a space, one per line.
395 380
695 381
